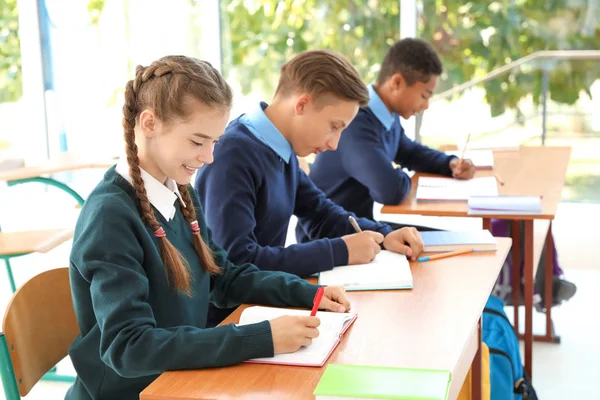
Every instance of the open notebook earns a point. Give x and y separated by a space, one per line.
333 326
448 189
388 271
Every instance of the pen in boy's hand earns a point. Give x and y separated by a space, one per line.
462 156
354 224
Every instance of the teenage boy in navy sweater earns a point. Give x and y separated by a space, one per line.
255 185
361 171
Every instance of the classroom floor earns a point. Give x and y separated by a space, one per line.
569 370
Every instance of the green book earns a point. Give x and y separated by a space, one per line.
356 381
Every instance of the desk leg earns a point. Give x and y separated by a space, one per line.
550 335
11 278
476 389
516 271
50 182
528 296
548 281
487 224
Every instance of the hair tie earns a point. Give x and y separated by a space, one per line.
195 227
160 232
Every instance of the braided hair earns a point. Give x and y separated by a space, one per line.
162 87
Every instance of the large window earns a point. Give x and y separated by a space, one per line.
477 37
95 47
259 36
11 88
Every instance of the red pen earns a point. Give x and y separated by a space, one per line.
317 301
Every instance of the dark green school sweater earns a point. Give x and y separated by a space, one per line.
133 325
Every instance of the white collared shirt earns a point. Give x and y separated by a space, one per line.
161 196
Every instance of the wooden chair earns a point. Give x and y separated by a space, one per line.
38 328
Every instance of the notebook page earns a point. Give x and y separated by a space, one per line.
430 188
329 320
332 324
387 270
314 354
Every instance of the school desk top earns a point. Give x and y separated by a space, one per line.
15 243
432 326
68 161
528 171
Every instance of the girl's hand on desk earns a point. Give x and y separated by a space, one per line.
363 246
405 241
292 332
334 299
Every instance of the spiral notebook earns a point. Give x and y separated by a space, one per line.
332 328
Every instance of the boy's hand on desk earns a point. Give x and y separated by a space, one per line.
334 299
292 332
405 241
464 170
362 247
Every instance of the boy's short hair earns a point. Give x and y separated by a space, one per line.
414 58
322 72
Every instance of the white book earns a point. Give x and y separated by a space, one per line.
505 205
388 271
449 189
333 325
482 159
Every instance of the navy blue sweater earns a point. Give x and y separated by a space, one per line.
249 194
360 172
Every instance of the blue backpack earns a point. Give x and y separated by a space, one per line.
508 379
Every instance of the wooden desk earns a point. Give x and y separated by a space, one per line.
22 243
432 326
529 171
15 243
62 163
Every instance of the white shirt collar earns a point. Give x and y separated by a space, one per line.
161 196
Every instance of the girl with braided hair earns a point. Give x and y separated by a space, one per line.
143 266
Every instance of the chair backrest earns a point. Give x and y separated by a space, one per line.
39 326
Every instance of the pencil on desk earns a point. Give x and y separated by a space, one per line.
445 255
500 181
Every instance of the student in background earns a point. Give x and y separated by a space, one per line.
144 267
255 184
361 171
